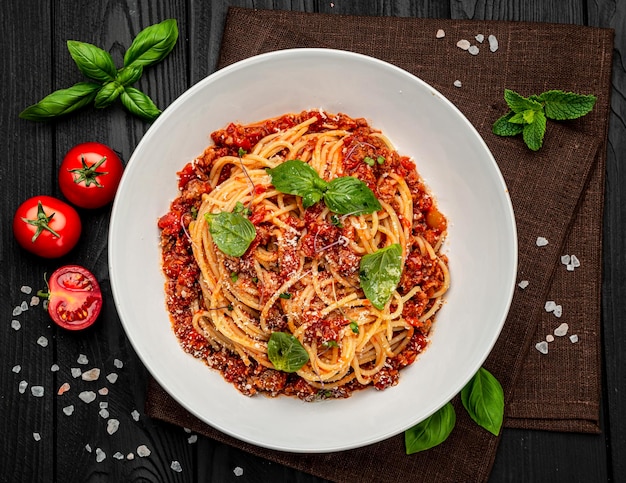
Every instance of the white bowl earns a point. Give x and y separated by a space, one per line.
451 157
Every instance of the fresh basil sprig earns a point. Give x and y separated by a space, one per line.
286 352
431 432
528 115
344 195
231 232
379 274
483 398
149 47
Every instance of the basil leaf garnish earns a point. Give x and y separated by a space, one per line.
92 61
379 274
296 177
286 352
107 94
350 195
152 44
431 432
483 398
231 232
129 75
62 102
139 104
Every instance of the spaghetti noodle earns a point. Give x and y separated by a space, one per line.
302 273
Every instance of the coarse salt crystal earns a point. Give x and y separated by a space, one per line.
91 374
37 391
17 369
558 311
87 396
76 372
550 306
63 389
88 447
187 430
103 391
100 455
34 301
112 426
130 456
15 325
117 363
104 413
82 359
480 38
463 44
24 306
473 49
143 451
575 261
176 466
42 341
561 330
238 471
17 311
549 338
541 241
22 387
542 347
26 289
103 404
573 338
135 415
68 410
192 439
493 43
54 368
37 436
457 83
112 378
565 259
523 284
440 34
118 456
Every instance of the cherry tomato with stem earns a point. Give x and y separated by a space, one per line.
90 174
46 226
74 297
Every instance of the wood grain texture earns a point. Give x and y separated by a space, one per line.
35 61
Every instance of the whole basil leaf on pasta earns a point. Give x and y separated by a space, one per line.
286 352
62 102
431 432
231 232
379 274
296 177
349 195
92 61
152 44
483 398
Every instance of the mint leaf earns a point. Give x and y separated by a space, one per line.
379 274
231 232
296 177
286 352
349 195
483 398
519 103
431 432
560 106
533 133
504 127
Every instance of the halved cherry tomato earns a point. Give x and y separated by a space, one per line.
46 226
90 174
74 297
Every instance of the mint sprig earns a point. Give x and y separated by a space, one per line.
528 115
108 83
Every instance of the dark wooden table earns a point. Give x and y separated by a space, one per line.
38 441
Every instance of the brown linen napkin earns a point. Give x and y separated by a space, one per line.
557 193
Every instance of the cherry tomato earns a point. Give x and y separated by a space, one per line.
74 297
46 226
90 174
